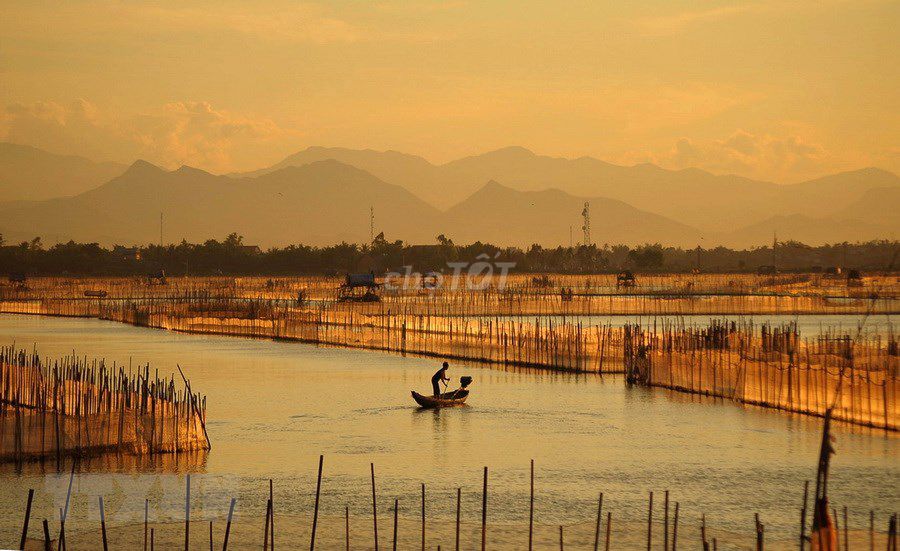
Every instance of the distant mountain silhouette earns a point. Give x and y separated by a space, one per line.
28 173
322 196
879 206
499 214
874 214
713 203
414 173
319 203
811 231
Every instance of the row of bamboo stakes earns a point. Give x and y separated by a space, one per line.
773 368
76 406
672 294
602 536
747 363
701 283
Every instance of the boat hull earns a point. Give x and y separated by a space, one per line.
449 399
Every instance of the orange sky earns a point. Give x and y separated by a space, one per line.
779 90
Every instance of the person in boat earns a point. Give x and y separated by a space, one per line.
439 377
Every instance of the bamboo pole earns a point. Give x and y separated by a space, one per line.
608 530
458 506
531 509
27 517
484 511
187 513
396 508
374 507
103 525
312 538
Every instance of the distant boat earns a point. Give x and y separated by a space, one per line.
448 399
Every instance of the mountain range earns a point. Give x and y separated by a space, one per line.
28 173
509 196
712 203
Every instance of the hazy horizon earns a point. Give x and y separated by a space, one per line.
780 92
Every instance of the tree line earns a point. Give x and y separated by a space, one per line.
231 256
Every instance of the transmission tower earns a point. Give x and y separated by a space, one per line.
586 227
371 224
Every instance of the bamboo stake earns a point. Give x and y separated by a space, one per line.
146 518
266 531
597 528
374 507
228 524
484 511
27 517
423 516
272 516
666 522
187 513
530 510
458 505
46 536
760 529
312 538
103 524
608 528
396 509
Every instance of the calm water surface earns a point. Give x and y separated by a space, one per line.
273 407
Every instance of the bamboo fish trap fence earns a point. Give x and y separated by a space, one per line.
73 406
772 367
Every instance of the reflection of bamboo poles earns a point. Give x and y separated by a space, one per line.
92 408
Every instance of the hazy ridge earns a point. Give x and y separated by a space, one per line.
509 196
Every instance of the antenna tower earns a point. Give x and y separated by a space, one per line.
586 227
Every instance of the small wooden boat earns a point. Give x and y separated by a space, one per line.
448 399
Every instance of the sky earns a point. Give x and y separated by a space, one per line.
776 90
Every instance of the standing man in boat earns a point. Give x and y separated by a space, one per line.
439 377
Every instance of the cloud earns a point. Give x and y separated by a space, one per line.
185 132
65 128
747 154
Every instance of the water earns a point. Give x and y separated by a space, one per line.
273 407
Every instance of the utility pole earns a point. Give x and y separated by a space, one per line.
571 236
586 227
160 229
